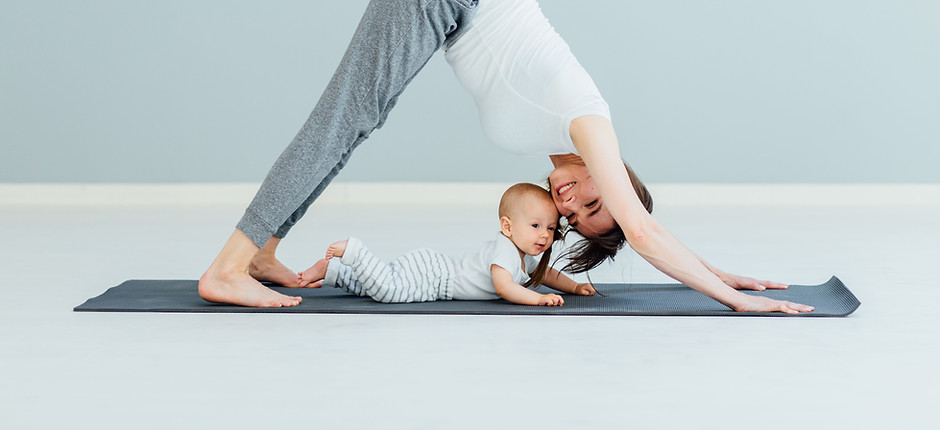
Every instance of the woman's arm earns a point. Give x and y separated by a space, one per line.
559 282
513 292
743 282
595 140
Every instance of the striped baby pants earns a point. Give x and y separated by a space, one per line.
423 275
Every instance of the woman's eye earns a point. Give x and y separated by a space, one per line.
592 203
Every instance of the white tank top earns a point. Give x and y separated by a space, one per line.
527 84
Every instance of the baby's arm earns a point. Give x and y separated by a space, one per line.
558 281
513 292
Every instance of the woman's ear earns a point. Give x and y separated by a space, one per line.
505 226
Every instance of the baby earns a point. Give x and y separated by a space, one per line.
503 268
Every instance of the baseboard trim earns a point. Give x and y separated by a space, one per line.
212 194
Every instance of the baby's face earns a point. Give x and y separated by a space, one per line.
533 229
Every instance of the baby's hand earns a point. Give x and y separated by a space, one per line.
585 290
551 300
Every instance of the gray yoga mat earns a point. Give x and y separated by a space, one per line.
831 299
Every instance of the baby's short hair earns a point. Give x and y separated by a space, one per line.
509 203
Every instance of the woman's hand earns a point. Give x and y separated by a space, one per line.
745 283
750 303
585 289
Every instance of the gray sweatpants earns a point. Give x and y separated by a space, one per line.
393 42
423 275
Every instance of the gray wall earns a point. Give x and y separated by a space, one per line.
701 91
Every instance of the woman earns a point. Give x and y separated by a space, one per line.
533 98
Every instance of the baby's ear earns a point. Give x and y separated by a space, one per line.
505 226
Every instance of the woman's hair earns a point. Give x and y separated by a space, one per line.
589 252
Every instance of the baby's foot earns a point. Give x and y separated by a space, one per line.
313 277
336 250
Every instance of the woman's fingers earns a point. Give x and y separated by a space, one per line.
756 286
774 285
794 308
800 307
766 304
744 283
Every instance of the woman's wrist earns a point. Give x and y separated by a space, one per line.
734 299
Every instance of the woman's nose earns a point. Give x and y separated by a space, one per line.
569 203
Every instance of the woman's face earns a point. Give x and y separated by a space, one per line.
578 201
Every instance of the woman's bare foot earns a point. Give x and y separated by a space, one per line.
313 277
266 267
227 279
336 250
241 289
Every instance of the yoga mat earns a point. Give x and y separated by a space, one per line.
831 299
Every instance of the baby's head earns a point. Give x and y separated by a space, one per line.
527 216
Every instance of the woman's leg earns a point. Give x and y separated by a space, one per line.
418 276
394 40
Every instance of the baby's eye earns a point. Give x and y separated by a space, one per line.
551 229
535 226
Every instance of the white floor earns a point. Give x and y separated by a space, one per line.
875 369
